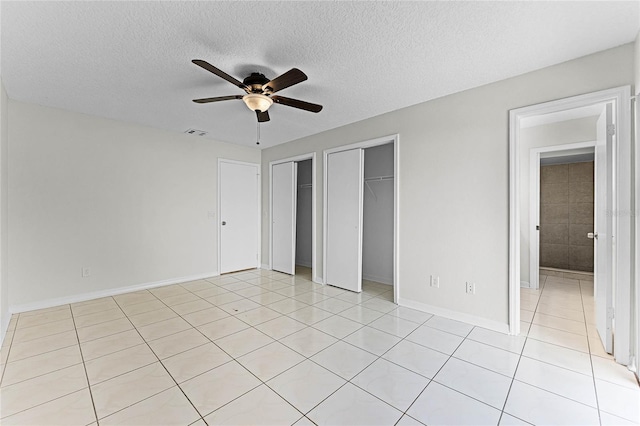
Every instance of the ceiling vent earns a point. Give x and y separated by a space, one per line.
196 132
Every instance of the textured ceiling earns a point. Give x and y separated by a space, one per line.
131 61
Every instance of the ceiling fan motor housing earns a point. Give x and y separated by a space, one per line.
255 82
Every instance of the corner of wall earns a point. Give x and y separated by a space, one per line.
4 143
637 65
636 247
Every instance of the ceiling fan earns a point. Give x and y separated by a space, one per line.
260 90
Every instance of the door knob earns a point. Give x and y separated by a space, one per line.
592 235
224 223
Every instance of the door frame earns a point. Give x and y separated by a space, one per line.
534 204
219 210
636 110
620 98
302 157
395 139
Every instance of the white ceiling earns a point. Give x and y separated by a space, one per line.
131 61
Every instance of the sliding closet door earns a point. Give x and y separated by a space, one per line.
345 175
283 216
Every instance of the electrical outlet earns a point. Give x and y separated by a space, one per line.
435 281
86 272
471 287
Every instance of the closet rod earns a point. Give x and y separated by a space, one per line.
305 185
378 178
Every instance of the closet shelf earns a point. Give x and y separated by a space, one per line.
376 179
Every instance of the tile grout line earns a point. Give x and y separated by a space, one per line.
250 372
233 359
590 360
162 364
53 371
348 381
4 366
306 358
593 373
526 337
84 367
437 372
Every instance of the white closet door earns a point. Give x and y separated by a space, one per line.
603 228
283 217
345 180
239 216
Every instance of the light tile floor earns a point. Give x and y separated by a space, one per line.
260 347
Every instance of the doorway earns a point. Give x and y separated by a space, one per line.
239 215
566 222
360 216
560 208
612 151
292 213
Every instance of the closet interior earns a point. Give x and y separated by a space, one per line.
378 214
304 205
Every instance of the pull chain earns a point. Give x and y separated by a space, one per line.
258 133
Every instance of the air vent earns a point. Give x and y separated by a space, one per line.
196 132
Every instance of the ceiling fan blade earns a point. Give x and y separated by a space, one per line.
217 99
263 116
288 79
307 106
207 66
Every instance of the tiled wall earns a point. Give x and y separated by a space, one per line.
566 216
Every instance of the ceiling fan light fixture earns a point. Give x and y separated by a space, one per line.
257 102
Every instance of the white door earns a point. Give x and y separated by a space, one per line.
283 217
239 216
603 283
345 174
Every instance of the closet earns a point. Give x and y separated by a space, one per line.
377 214
360 215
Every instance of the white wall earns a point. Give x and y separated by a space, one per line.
130 202
559 133
304 218
637 64
4 270
453 173
377 224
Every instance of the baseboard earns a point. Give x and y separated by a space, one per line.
49 303
525 284
454 315
381 280
265 267
318 280
303 263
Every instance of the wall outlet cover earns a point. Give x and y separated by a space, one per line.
471 288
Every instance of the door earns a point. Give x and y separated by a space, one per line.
603 283
345 180
283 217
239 216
